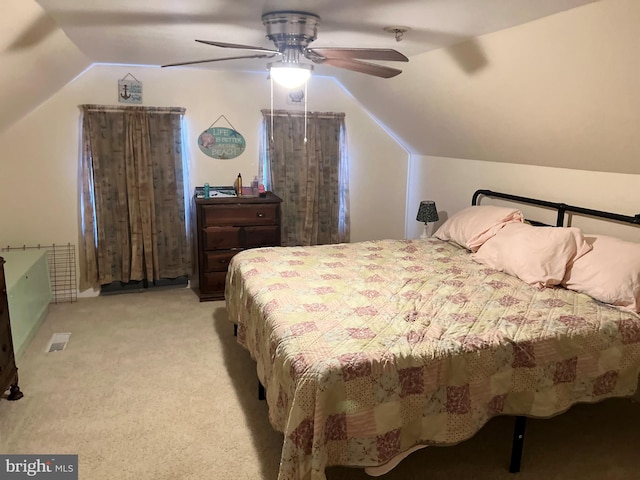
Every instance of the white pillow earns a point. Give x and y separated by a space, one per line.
610 272
474 225
536 255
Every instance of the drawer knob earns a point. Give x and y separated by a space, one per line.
260 214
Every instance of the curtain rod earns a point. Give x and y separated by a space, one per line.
295 113
122 108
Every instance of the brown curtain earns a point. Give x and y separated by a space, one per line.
311 177
133 196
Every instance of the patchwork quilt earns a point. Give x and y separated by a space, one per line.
367 349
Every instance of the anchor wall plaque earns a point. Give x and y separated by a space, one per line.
129 89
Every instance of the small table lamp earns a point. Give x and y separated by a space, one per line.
427 213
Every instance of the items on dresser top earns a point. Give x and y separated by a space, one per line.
225 226
209 191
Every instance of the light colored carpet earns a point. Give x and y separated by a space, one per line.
153 386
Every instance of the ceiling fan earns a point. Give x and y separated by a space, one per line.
292 32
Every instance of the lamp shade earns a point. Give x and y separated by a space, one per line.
427 212
290 75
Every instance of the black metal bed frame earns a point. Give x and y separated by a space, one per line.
562 209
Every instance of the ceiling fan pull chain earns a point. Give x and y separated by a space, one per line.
305 112
271 80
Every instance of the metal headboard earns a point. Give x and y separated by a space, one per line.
561 208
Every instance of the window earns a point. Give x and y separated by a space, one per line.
311 177
133 217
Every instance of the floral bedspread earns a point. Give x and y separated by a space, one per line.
370 348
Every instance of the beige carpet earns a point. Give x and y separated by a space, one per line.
153 386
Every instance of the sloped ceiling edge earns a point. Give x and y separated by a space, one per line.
37 59
558 92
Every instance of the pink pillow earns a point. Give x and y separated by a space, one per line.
610 272
473 226
536 255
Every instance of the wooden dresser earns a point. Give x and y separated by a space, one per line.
8 369
225 226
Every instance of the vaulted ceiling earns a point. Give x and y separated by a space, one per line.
161 32
46 43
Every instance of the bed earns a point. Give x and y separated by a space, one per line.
369 350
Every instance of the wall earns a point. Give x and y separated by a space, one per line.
560 91
30 44
451 183
38 183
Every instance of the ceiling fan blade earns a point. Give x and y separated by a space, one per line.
217 60
362 67
237 45
360 53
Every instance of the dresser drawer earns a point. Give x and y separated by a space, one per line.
224 238
6 353
221 238
241 214
218 261
267 236
213 282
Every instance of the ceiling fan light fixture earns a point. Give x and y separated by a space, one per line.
292 32
290 75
